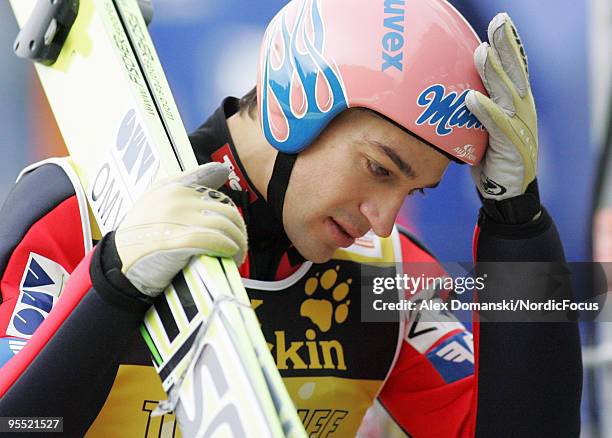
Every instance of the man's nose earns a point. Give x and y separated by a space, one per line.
381 212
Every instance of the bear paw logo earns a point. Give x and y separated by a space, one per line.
334 307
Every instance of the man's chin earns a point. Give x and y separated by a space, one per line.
316 254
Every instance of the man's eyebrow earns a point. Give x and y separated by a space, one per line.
397 160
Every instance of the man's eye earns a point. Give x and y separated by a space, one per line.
377 170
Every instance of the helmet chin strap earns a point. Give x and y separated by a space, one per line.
279 181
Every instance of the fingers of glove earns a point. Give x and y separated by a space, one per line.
206 194
211 175
505 130
154 272
494 78
216 237
211 209
208 212
190 205
494 119
214 201
504 142
507 44
163 203
212 242
134 243
214 221
185 206
171 200
188 209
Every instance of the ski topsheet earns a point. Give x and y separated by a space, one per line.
123 131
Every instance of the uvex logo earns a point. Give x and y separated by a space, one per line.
445 111
393 40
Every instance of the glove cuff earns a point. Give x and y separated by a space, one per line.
517 210
110 283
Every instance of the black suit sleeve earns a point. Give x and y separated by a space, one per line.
529 373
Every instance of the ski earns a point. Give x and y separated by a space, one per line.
203 335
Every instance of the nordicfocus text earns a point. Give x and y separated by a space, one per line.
505 305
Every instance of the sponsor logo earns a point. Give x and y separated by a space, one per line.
426 327
309 353
41 284
330 308
365 242
465 151
393 40
9 347
108 198
457 352
16 345
491 187
333 306
158 426
321 422
368 246
444 341
445 110
453 358
134 149
236 180
125 175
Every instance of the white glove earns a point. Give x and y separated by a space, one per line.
176 220
510 163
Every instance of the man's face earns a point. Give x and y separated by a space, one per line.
353 178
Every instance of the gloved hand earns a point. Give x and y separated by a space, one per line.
506 177
176 220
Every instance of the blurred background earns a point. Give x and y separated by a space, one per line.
209 50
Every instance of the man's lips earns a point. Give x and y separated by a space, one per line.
343 236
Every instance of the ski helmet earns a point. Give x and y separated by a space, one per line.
411 62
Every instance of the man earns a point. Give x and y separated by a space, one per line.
356 107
